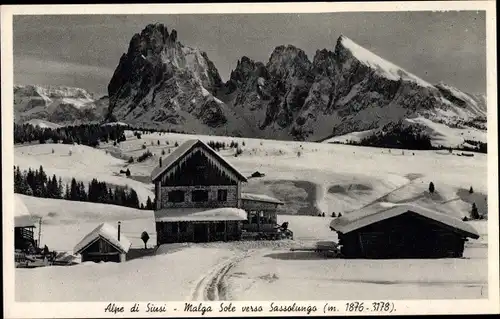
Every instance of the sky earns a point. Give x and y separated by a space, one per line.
84 50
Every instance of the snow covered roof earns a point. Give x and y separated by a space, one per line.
260 198
22 216
365 217
184 149
200 214
106 232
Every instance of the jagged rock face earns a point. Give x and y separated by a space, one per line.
347 90
270 95
57 104
161 82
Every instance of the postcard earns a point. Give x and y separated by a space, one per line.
270 159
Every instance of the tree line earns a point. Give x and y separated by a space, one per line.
86 134
410 137
37 183
216 145
399 136
477 146
149 130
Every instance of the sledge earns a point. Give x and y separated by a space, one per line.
275 232
328 249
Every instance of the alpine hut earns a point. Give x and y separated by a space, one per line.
401 231
104 243
198 196
23 226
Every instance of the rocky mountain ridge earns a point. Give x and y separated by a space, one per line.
346 90
57 104
159 82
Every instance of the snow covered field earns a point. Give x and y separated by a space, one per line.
332 177
84 164
324 178
440 134
255 271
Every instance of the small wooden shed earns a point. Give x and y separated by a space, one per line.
23 226
401 231
104 243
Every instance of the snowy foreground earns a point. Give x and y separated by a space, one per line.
324 178
253 271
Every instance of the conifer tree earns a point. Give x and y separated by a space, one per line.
60 188
73 190
431 187
474 214
67 193
133 199
149 204
18 180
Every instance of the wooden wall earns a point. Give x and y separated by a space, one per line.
101 250
22 237
199 170
405 236
256 205
178 232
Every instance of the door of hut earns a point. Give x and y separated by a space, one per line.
200 232
212 233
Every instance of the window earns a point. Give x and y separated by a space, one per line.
222 195
178 227
176 196
199 196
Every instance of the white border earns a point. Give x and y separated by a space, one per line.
70 310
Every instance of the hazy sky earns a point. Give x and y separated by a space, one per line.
83 51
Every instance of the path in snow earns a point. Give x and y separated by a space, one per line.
212 285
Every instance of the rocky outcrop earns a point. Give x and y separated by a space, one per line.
57 104
346 90
161 82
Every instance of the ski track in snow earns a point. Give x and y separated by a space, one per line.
212 285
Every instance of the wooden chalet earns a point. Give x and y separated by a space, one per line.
198 197
401 231
104 243
23 226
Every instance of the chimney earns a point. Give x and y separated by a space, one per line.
160 162
119 226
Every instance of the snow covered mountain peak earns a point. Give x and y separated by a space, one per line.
160 82
378 64
58 104
54 91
